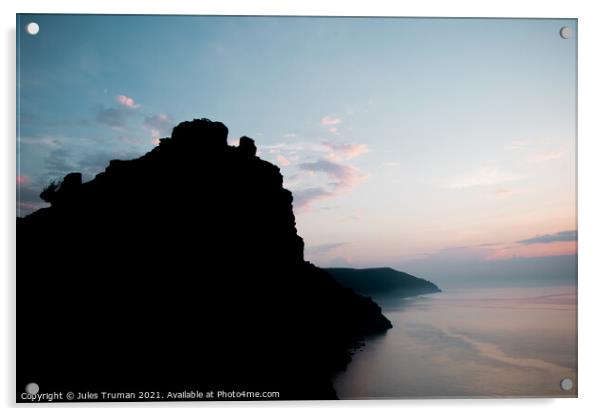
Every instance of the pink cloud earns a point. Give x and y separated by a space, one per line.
304 198
156 135
343 177
325 175
502 193
283 160
337 152
159 126
534 250
501 251
330 121
22 179
485 176
333 130
126 101
545 157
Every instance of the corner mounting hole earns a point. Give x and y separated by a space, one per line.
32 28
32 388
566 32
566 384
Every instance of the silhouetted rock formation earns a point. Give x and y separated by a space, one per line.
57 193
181 269
381 282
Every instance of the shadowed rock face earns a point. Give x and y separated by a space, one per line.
181 269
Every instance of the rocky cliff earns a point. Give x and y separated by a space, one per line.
181 269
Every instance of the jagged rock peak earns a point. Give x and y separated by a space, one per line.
247 146
207 135
216 133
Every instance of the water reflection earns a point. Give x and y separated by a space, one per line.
486 342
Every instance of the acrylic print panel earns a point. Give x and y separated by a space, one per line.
283 208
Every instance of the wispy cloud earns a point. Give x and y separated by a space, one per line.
343 178
127 139
337 152
541 148
161 122
112 117
322 248
569 235
481 177
545 157
22 179
320 170
159 125
330 121
519 144
553 245
503 193
59 162
303 198
116 116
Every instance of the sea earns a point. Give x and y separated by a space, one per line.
470 343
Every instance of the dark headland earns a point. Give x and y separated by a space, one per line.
382 282
180 270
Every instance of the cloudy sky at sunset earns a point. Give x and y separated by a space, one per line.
421 144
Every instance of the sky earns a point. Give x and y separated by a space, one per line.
441 147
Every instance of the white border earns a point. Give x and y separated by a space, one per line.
590 175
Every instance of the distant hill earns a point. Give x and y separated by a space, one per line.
382 281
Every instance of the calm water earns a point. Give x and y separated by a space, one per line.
470 343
